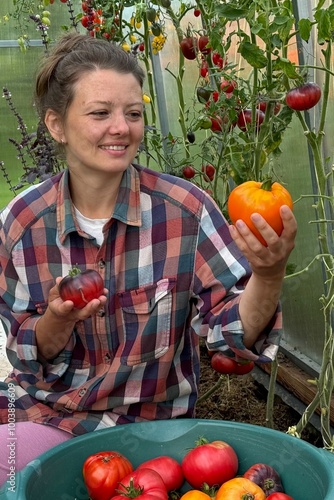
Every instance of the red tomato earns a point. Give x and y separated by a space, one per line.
209 171
197 12
81 287
303 97
262 106
245 119
141 47
216 124
102 473
188 172
211 463
218 60
266 477
203 41
244 367
145 484
169 469
228 86
189 47
204 69
223 364
279 496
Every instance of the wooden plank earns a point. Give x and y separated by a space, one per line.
295 380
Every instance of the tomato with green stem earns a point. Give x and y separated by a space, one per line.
265 198
102 473
146 484
304 97
81 287
197 464
266 477
240 488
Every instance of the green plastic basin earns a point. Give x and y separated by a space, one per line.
307 472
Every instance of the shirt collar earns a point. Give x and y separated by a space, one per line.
127 207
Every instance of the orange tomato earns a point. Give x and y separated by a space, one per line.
265 198
240 488
195 495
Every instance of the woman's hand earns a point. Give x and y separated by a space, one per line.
67 311
55 327
268 262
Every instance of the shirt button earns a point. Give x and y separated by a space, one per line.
82 392
102 264
101 313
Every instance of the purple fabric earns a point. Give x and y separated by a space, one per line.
23 444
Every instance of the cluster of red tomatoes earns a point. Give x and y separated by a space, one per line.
210 468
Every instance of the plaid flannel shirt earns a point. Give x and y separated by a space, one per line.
173 275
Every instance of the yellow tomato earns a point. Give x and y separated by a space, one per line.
239 488
146 98
195 495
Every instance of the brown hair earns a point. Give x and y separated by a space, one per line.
73 55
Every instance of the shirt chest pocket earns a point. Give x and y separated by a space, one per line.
146 320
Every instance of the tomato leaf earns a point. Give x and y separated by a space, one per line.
305 26
230 12
253 54
324 26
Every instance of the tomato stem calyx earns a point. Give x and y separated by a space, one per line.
266 185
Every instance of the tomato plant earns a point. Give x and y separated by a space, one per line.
189 47
304 97
145 484
169 469
81 287
240 488
279 496
102 473
265 198
209 463
266 477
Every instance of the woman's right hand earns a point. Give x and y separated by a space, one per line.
55 327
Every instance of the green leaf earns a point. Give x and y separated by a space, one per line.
324 25
287 67
304 26
252 54
230 12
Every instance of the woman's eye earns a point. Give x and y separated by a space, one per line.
100 113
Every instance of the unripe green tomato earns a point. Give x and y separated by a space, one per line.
204 122
46 21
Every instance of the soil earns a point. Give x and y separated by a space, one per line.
242 399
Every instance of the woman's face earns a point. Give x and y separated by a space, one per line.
104 123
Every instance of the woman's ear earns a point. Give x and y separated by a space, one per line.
54 125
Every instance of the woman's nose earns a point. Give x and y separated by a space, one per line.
118 124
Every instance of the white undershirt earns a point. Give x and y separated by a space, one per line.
93 227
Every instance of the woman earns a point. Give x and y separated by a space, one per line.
173 269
